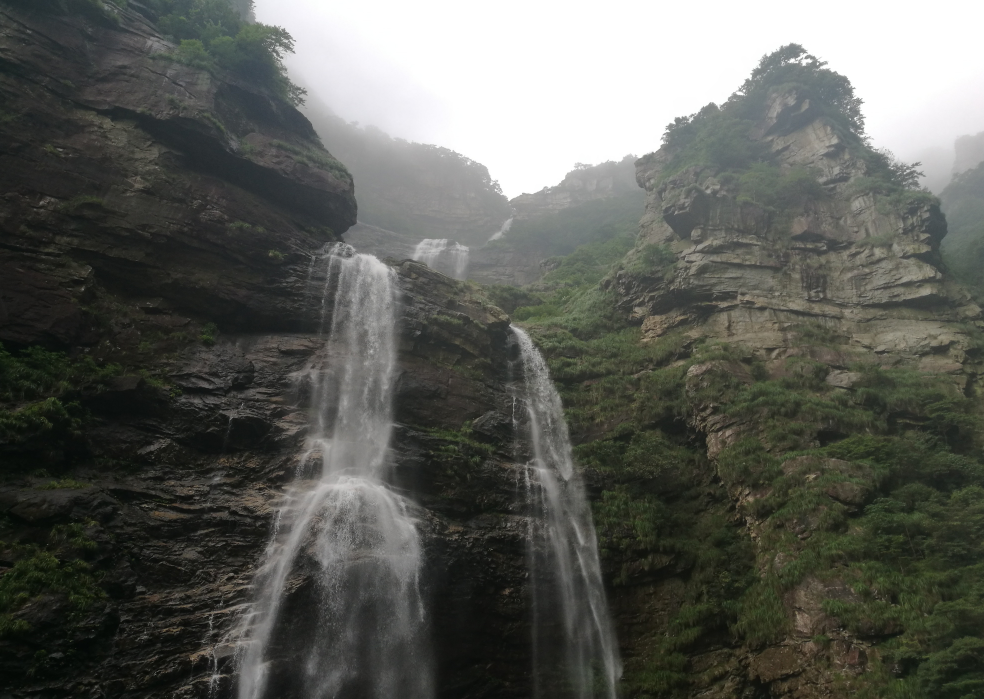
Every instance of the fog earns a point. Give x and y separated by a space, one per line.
529 88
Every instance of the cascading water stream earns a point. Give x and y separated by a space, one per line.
443 256
338 611
574 647
503 229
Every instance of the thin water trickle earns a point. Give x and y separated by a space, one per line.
338 610
574 648
502 230
444 256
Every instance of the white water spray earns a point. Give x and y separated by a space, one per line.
503 230
444 256
574 648
338 611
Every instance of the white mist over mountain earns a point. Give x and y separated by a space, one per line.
529 88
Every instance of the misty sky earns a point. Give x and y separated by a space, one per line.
529 88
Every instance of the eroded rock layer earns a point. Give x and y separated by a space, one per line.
162 220
121 166
860 265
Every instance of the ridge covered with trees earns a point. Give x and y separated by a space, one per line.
808 517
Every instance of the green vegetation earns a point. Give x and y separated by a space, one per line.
36 391
457 447
56 570
213 34
36 373
207 336
717 138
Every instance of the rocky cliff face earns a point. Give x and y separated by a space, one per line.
130 169
178 488
847 259
415 190
147 202
841 284
585 183
542 222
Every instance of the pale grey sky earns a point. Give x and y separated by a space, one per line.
530 87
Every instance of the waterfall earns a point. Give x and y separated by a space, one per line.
574 647
502 230
338 610
442 255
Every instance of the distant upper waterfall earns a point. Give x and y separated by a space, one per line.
444 256
574 649
338 610
502 229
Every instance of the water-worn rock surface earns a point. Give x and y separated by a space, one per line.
145 203
183 515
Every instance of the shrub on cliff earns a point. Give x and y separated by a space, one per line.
37 415
719 137
792 67
212 30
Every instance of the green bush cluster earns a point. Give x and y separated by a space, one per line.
212 33
55 570
908 445
36 387
719 137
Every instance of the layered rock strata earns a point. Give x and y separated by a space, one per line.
122 167
848 260
861 272
180 491
145 203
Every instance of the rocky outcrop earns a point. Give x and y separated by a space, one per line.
847 259
145 203
381 242
582 184
842 279
124 168
504 264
